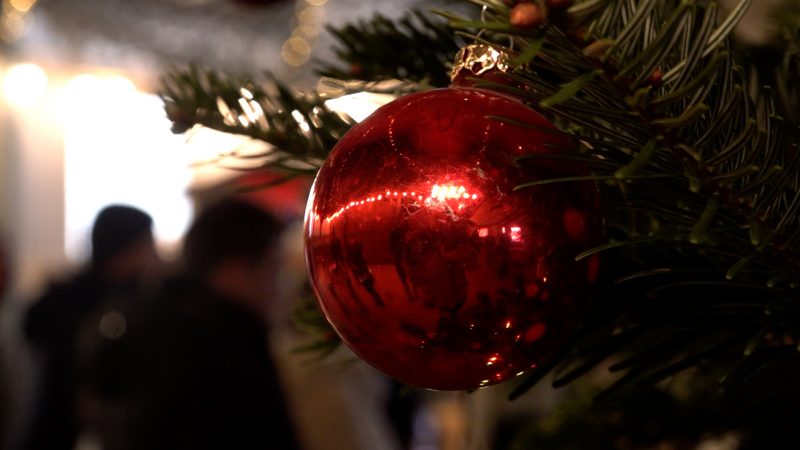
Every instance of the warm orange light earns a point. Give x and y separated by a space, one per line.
22 5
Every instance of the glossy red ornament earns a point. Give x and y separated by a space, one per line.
427 262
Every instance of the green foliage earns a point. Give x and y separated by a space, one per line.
307 318
298 128
416 48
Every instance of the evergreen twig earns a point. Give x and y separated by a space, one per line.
416 47
299 129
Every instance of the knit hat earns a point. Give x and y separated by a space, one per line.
116 228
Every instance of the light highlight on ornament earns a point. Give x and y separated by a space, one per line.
439 193
448 192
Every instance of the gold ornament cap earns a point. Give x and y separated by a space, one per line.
478 59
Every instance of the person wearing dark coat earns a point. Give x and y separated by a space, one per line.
201 375
123 252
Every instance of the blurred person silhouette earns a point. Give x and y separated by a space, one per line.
201 375
123 254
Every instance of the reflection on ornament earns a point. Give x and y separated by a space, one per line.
425 259
405 199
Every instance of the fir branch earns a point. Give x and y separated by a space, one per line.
417 48
299 128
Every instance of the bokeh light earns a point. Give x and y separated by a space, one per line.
24 85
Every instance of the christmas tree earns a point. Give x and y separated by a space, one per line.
690 139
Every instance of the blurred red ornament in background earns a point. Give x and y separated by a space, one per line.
285 198
424 258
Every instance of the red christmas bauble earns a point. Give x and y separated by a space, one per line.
426 261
